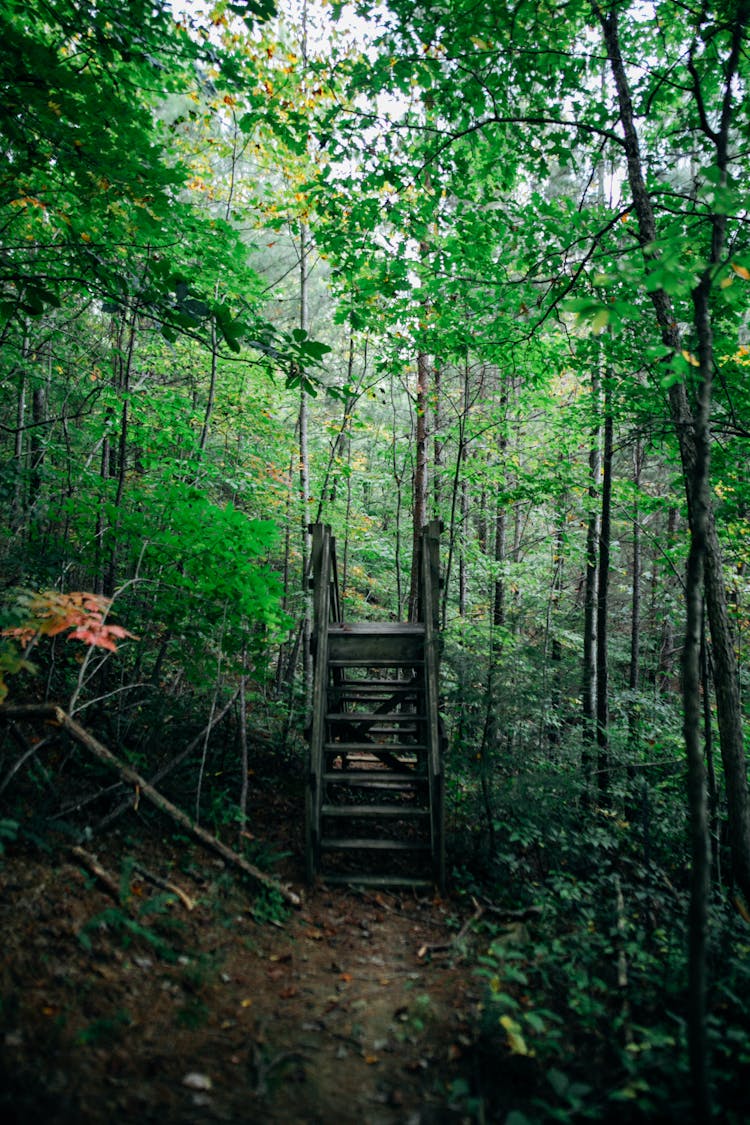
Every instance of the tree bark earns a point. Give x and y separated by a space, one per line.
419 488
588 687
728 708
635 600
602 602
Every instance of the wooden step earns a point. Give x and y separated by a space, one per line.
372 718
369 688
359 844
339 879
374 748
365 661
377 628
376 645
352 704
396 811
387 779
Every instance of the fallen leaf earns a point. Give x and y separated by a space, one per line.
371 1059
288 992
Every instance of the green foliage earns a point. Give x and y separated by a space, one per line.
594 983
269 907
129 925
126 930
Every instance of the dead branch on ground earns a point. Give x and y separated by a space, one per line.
49 711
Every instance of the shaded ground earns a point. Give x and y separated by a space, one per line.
146 1011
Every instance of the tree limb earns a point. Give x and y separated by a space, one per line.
49 711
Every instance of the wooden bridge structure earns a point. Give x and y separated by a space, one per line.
374 799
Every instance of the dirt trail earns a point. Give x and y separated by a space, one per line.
343 1013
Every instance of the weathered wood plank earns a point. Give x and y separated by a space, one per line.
339 879
370 845
393 811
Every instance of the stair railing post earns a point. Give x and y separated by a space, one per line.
321 569
430 603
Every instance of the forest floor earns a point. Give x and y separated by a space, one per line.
359 1007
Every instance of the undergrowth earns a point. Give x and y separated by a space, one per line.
587 996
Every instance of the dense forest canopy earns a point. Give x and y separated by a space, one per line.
375 264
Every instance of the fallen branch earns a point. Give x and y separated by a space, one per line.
166 885
524 915
92 865
449 946
49 711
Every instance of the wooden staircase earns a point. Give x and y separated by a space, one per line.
374 803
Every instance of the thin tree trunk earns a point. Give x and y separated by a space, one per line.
304 481
700 884
419 486
463 582
398 480
457 531
36 446
602 602
588 688
243 751
708 743
665 665
687 428
213 335
437 441
498 601
19 443
635 601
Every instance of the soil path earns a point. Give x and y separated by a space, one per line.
343 1012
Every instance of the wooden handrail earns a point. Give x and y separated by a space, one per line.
322 599
429 598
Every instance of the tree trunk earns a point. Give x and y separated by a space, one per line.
687 430
665 663
700 884
304 478
588 688
602 602
419 488
36 445
635 601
